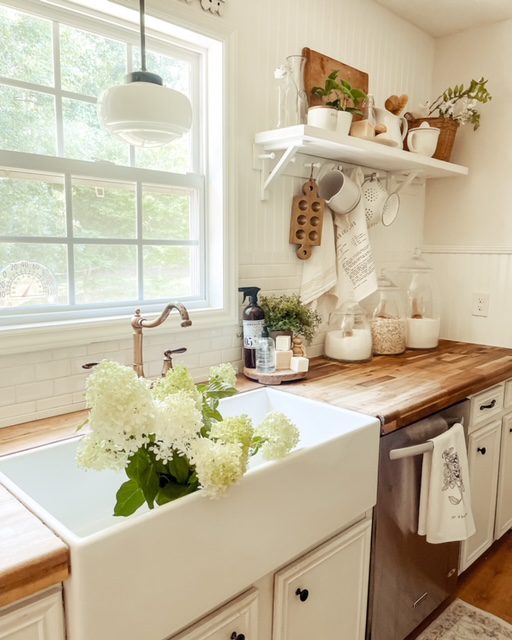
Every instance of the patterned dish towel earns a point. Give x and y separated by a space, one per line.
445 498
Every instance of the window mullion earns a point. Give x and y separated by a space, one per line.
58 88
140 247
68 186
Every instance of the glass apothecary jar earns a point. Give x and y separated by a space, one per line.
388 321
349 338
422 313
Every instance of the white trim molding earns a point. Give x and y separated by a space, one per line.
486 249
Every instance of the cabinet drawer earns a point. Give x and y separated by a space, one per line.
36 619
485 405
236 620
508 394
324 593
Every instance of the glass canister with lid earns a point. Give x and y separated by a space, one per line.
422 315
349 338
388 321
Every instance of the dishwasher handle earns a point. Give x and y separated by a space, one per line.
418 449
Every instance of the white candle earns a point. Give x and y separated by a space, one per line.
354 348
422 333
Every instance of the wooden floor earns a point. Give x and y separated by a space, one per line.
487 584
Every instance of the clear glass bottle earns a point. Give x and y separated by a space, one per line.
350 338
422 314
265 353
388 322
296 100
280 76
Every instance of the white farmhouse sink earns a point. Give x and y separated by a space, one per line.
147 576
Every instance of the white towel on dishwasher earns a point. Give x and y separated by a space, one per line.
445 499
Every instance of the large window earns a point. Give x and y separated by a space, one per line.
89 225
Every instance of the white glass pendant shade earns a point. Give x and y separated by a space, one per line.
145 114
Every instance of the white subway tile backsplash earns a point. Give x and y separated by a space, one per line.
7 396
16 410
34 391
52 369
54 402
69 384
11 376
68 352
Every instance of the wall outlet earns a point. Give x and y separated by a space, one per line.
480 304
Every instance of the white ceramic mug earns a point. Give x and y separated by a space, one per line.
341 193
323 117
396 127
423 139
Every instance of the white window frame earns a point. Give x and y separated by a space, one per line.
219 308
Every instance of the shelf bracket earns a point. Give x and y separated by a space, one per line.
266 180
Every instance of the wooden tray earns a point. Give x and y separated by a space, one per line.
276 377
319 66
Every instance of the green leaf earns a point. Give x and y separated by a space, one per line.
129 498
173 491
142 468
179 467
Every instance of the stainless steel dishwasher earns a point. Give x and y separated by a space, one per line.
409 577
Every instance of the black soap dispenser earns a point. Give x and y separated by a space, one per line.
253 321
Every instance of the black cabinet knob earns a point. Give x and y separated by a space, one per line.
488 406
482 450
237 636
303 594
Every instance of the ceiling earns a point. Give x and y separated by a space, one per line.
443 17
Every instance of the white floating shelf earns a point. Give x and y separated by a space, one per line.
321 143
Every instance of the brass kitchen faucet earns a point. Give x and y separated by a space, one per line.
138 323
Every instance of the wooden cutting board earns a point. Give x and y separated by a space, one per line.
319 66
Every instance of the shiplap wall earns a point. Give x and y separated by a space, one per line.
398 58
468 221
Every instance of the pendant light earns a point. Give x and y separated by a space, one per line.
144 112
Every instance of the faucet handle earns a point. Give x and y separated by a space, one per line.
168 359
89 365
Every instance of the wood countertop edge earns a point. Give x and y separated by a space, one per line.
32 557
35 573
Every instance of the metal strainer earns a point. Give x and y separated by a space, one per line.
374 195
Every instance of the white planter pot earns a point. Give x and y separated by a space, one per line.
323 117
344 122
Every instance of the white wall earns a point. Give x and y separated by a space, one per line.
468 221
398 58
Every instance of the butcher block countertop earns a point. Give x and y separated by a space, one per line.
397 389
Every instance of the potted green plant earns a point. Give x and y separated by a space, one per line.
453 107
288 314
338 95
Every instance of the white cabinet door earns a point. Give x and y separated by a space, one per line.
504 502
484 455
237 620
323 595
41 619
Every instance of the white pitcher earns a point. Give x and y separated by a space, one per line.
396 128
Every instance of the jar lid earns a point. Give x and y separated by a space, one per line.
384 282
416 263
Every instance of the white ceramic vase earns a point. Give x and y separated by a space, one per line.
344 122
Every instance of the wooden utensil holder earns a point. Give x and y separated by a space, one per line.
307 220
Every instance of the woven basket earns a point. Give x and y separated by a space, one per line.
448 129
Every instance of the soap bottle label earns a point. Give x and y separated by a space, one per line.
252 332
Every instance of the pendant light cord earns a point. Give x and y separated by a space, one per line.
142 38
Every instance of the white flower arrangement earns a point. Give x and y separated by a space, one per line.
171 439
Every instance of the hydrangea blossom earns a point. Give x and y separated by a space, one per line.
177 424
176 380
122 410
219 465
236 430
224 373
97 454
279 433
